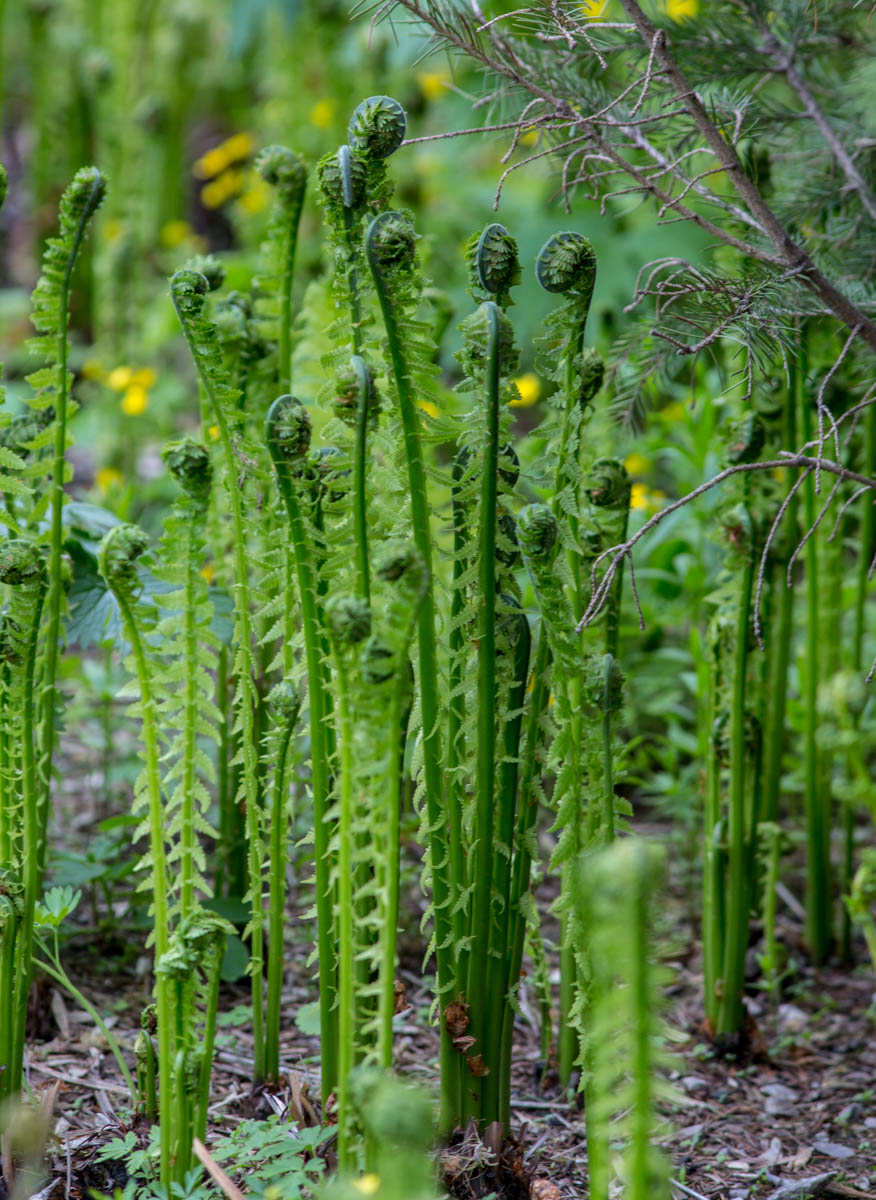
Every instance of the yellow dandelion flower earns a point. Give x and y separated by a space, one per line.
135 400
91 369
106 478
638 496
681 10
428 407
214 433
368 1185
143 377
256 196
433 84
636 463
119 378
208 572
238 146
212 163
528 391
321 114
174 233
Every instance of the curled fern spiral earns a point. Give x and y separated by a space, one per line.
567 263
377 126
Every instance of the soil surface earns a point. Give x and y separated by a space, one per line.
796 1105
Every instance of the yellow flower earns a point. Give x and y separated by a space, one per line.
119 378
91 369
214 432
208 572
433 84
321 114
135 400
636 463
642 498
144 377
594 10
238 146
228 184
639 496
107 477
173 233
213 194
528 391
256 195
212 163
368 1185
428 407
680 10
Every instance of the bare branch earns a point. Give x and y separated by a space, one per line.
624 550
790 252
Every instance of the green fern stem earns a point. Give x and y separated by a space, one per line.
81 200
360 470
865 557
208 1037
499 976
190 722
288 706
713 874
428 673
527 813
317 694
247 695
32 827
817 799
607 749
476 992
224 792
730 1010
780 659
121 589
343 615
456 711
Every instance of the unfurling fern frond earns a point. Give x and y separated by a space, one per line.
51 384
241 470
284 171
188 660
23 579
120 551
